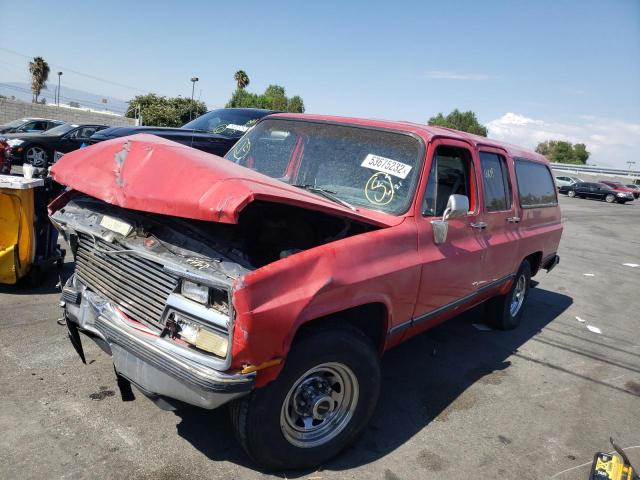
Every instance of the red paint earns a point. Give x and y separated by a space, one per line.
397 266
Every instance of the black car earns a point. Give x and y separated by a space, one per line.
29 125
214 132
38 149
598 191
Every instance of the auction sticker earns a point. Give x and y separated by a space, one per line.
386 165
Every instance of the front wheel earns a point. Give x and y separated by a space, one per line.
319 404
609 198
571 193
505 312
36 156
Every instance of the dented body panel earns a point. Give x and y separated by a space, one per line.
298 257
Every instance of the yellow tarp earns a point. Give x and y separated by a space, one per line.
17 235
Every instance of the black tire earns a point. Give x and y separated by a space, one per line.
499 309
610 198
571 193
258 418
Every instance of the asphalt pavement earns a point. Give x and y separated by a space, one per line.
457 402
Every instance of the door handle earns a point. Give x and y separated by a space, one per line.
479 225
513 219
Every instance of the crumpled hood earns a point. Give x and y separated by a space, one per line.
148 173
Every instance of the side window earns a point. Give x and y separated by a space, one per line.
86 132
451 173
495 179
535 185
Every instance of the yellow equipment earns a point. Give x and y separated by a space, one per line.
612 467
17 229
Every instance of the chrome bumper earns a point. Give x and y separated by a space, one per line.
160 368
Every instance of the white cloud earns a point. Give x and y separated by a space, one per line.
446 75
611 142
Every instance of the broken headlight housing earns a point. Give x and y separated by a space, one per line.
216 298
195 292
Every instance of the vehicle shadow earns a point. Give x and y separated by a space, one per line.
422 378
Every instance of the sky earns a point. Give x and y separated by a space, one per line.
531 71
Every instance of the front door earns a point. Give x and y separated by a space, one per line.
450 270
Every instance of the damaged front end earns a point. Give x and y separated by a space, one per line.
163 311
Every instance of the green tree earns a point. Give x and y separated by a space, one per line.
295 104
273 98
242 79
463 121
161 111
559 151
39 70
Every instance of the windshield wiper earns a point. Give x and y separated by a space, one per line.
326 194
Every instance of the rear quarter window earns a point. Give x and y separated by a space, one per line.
535 184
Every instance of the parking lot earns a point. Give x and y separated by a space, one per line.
457 402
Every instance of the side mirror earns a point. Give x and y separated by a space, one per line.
457 206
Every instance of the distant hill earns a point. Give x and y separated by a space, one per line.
22 91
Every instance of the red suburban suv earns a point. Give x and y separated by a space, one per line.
276 277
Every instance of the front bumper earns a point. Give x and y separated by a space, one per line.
161 369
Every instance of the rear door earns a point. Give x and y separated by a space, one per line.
500 217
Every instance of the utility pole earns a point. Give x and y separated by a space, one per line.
193 88
630 162
59 75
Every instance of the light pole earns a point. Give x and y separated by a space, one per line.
630 162
193 88
59 75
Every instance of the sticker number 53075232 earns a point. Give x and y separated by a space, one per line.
386 165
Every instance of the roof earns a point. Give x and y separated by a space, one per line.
426 132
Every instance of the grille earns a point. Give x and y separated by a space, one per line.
139 287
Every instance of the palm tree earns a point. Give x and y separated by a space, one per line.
242 79
39 70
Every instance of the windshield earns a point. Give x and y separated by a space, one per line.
16 123
375 169
228 122
60 129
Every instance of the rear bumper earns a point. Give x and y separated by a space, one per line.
159 367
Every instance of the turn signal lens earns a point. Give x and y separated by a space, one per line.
202 338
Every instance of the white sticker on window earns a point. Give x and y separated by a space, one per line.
386 165
240 128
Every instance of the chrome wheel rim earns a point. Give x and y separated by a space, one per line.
517 297
609 198
319 405
36 155
572 193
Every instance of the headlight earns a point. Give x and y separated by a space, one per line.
195 292
201 337
622 194
14 142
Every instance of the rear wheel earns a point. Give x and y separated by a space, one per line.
321 401
609 198
505 312
571 193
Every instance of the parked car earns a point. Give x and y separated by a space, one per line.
598 191
275 280
564 180
38 148
214 132
29 125
635 188
620 187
